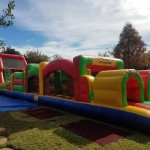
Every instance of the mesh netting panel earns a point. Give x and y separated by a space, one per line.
9 63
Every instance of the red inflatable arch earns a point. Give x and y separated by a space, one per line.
60 87
59 64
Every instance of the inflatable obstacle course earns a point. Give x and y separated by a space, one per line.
97 87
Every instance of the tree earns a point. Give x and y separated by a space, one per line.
6 19
7 15
2 45
10 50
145 61
104 54
35 57
55 56
130 48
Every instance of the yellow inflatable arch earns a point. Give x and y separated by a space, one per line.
116 87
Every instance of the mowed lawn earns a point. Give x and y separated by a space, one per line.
25 132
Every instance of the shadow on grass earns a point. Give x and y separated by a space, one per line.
71 137
104 134
14 122
140 137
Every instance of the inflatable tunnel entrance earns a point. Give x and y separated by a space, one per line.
117 87
58 78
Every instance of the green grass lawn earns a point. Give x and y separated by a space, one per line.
28 133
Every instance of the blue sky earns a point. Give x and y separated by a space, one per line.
73 27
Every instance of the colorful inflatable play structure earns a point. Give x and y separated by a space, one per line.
93 86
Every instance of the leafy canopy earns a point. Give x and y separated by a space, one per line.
130 48
35 57
6 19
55 56
10 50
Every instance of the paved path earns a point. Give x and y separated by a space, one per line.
3 140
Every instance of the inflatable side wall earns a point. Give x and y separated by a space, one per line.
19 81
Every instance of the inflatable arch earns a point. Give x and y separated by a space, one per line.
85 68
117 87
60 64
95 64
62 69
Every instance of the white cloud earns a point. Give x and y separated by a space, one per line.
52 48
89 24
